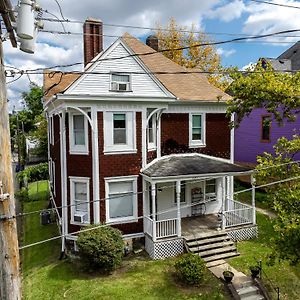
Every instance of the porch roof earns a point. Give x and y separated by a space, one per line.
191 165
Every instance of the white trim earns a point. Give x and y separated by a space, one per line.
232 117
51 129
96 165
78 149
133 235
73 180
134 217
152 146
193 107
108 130
197 143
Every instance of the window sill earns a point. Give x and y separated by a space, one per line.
116 152
122 221
78 152
197 145
118 91
79 224
151 148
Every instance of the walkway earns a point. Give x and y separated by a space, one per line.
243 284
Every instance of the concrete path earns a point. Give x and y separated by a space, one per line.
243 284
266 212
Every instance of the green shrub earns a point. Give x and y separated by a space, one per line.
101 248
190 268
34 173
22 194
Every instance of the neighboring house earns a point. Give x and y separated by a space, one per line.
143 144
258 133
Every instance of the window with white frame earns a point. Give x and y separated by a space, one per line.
52 175
210 189
80 198
51 130
197 130
120 82
78 134
121 199
152 133
119 132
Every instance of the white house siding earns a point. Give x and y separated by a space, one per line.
99 84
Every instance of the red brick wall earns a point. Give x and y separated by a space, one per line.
121 165
55 155
175 135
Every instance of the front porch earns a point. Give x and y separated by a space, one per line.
178 205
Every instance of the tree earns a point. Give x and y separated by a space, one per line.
277 92
33 99
284 197
204 58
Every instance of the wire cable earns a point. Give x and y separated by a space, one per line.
275 4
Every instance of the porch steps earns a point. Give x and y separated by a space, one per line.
211 246
249 293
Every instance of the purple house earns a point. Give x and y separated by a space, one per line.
256 135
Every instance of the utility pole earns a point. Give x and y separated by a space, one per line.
10 283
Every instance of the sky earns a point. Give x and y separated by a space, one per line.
221 19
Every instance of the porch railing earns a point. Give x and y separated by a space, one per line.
237 214
164 228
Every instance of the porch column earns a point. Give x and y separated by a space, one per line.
223 203
153 194
227 193
253 199
178 192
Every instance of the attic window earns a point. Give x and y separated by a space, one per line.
120 82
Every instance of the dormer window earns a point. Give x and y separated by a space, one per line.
120 82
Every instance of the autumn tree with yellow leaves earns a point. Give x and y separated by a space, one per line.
202 58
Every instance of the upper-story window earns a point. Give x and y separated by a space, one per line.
120 82
119 132
151 132
78 134
265 128
197 130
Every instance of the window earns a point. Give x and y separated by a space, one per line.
119 128
119 132
265 128
52 175
151 131
51 130
78 134
182 192
80 209
121 199
197 130
210 189
120 82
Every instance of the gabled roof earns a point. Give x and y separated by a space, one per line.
188 86
293 54
180 82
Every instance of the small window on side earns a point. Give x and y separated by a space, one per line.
265 128
120 82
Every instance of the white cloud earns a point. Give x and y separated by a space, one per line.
228 12
224 52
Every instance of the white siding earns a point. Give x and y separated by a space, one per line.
99 84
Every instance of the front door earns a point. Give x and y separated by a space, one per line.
198 203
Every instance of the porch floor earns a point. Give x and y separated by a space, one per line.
199 224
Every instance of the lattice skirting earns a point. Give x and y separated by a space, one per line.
242 234
163 249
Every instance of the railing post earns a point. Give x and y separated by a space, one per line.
178 192
153 194
223 204
253 199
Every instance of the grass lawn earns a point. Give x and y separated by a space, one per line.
139 278
38 190
33 231
286 277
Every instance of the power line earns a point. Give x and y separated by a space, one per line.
275 4
141 217
175 49
144 191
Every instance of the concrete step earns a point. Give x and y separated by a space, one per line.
215 263
220 256
208 241
216 251
200 247
204 235
248 291
253 297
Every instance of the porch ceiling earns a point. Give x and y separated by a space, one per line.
192 165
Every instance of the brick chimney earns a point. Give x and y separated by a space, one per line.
152 41
92 39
